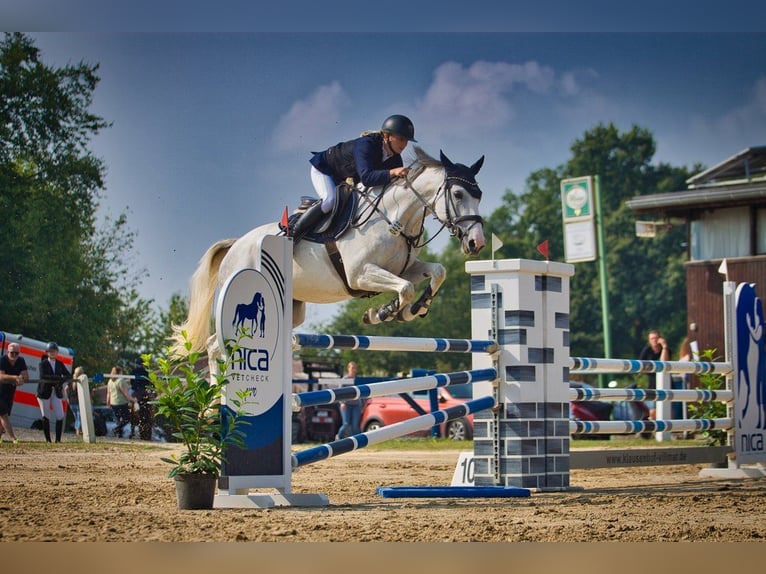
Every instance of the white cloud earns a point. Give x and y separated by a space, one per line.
310 119
482 95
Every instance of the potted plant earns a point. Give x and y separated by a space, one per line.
190 406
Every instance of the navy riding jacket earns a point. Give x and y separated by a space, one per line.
360 159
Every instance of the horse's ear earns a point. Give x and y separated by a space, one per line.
445 160
477 166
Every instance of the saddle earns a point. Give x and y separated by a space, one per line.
334 224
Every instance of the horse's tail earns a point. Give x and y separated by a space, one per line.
203 285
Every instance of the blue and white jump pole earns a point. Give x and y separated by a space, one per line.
521 367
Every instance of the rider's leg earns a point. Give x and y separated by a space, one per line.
309 218
325 189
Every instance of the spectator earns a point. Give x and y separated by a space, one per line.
13 372
350 411
119 399
655 350
50 392
142 393
71 394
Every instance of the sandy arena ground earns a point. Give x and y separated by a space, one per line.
119 491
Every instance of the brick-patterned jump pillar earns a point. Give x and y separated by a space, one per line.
524 306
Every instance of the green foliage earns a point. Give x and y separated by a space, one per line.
191 406
66 275
710 409
645 277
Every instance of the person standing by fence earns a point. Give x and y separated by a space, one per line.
50 392
142 393
656 350
13 373
350 411
119 399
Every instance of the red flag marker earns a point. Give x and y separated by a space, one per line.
284 222
543 248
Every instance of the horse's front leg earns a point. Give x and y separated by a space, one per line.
377 279
416 273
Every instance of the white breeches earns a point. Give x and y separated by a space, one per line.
52 407
324 187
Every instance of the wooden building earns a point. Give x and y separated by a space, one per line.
724 210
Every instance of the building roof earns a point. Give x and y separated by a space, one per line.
747 165
737 181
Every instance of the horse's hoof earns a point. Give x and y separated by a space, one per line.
370 317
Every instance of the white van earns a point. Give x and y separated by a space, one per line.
25 408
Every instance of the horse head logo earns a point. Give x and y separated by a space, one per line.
751 375
255 312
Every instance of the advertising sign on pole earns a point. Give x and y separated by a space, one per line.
579 222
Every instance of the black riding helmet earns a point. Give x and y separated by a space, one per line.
399 125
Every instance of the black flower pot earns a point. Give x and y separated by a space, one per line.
195 491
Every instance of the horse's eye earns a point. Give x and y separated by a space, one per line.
458 195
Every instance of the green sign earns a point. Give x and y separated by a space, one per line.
577 198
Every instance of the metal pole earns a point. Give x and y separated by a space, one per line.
602 276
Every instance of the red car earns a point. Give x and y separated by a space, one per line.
382 411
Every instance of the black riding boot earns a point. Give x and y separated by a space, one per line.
47 429
59 429
307 221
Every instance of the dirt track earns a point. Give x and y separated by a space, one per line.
120 492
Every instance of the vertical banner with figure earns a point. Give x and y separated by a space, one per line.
750 376
254 311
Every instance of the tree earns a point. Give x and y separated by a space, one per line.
159 338
646 280
70 279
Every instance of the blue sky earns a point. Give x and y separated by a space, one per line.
212 131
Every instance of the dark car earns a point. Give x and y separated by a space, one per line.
605 411
316 423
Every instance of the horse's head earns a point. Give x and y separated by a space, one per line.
462 196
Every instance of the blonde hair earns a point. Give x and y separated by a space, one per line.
78 371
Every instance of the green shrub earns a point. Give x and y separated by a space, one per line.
710 409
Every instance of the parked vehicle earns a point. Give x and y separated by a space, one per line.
631 410
605 411
315 423
383 411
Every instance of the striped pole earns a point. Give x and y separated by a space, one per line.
583 365
686 396
396 430
632 427
329 396
417 344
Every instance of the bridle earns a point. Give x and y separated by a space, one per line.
452 223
